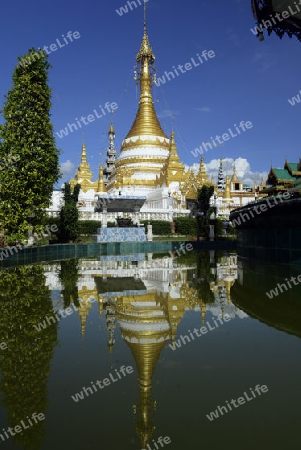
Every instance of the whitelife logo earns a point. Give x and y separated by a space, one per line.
124 9
24 62
166 440
110 107
19 429
274 292
262 207
278 17
293 101
188 66
106 382
244 126
203 330
241 401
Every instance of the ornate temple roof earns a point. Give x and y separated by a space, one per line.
146 122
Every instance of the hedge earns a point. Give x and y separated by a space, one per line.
185 226
88 227
160 227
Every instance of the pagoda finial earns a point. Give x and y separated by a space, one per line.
146 122
84 153
172 146
173 123
145 18
234 178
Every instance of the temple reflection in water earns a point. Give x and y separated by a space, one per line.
135 306
147 296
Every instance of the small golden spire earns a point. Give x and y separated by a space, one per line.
202 175
227 192
234 178
101 185
262 184
172 145
84 153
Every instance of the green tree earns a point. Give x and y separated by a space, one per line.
28 154
69 214
204 195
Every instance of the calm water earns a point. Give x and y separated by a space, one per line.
132 311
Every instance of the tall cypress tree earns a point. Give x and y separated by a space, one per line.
28 154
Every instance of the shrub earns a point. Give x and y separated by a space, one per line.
186 226
89 227
160 227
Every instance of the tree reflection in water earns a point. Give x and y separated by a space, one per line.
25 364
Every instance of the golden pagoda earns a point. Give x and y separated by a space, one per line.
84 175
236 184
146 147
202 177
173 170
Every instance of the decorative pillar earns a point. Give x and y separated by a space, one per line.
104 270
137 210
149 232
104 222
149 260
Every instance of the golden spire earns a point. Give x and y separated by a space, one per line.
101 184
227 192
84 153
172 146
262 184
146 122
84 175
202 177
173 169
234 178
111 129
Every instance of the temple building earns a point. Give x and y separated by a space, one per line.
148 165
282 180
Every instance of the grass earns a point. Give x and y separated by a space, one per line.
172 238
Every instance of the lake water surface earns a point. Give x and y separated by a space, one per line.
118 351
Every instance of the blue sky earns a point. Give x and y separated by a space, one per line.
247 80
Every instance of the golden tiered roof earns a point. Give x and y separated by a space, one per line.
84 175
146 122
234 178
202 177
173 169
